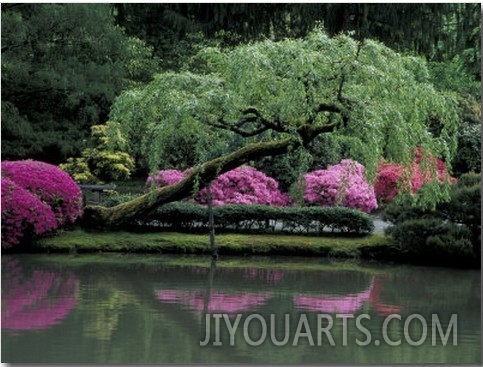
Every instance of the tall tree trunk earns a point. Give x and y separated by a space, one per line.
140 207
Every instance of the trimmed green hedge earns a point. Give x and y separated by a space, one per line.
184 216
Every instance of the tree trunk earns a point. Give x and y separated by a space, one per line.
140 207
211 223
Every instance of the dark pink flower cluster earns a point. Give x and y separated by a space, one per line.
38 197
393 177
341 184
23 213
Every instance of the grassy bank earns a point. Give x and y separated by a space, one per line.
80 241
373 247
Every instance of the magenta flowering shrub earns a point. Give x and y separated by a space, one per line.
23 214
37 198
244 185
50 184
341 184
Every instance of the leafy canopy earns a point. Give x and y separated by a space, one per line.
299 88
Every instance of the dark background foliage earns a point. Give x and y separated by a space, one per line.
64 64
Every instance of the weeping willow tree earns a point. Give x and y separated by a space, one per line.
268 98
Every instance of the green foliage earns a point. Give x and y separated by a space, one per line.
452 76
79 170
431 239
100 163
62 66
465 206
405 209
453 228
185 216
162 121
118 198
381 102
468 155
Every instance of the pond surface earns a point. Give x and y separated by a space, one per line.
152 309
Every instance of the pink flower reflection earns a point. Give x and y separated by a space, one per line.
333 304
40 302
381 308
216 301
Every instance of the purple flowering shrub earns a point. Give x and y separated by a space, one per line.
341 184
37 197
23 214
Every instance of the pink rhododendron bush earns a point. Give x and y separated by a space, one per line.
242 185
166 177
392 177
342 184
37 197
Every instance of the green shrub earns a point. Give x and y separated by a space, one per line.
406 209
450 233
185 216
432 240
464 207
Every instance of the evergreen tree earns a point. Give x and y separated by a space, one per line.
62 66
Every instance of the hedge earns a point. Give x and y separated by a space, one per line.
185 216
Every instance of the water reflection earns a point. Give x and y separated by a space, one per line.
350 303
101 318
214 301
268 276
149 310
383 309
37 301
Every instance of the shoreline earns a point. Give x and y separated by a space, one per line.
376 247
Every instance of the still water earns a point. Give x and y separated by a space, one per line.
152 309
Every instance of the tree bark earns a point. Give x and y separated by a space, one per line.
105 218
